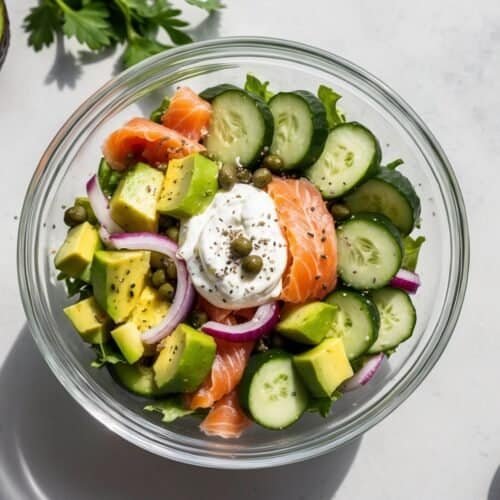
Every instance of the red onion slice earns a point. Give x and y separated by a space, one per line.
365 373
184 295
100 205
406 280
264 320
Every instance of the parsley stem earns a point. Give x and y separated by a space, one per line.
131 33
63 6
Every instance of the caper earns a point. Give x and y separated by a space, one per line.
198 318
241 246
339 211
274 162
244 175
158 278
173 233
227 176
166 221
252 264
171 269
166 291
262 177
75 215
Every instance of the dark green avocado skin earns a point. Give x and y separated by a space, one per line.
5 34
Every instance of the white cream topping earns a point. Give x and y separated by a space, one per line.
205 246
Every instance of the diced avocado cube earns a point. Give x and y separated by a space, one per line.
150 309
189 186
89 320
324 367
83 201
128 340
307 324
185 360
118 278
133 204
78 249
136 378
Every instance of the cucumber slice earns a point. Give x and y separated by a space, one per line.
241 127
370 251
389 193
351 155
300 128
271 392
397 318
357 321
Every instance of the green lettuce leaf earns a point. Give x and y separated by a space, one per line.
157 113
323 405
411 251
329 99
258 88
108 178
107 353
170 409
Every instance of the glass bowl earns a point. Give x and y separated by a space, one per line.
72 157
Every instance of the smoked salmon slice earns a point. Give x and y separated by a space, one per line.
142 139
188 114
226 419
310 232
227 370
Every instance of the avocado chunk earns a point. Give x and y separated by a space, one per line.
83 201
189 186
118 278
324 367
77 250
133 204
128 340
89 320
307 324
138 379
185 360
150 309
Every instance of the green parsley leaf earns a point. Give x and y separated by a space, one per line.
208 5
170 409
107 353
323 405
89 25
393 165
258 88
139 49
156 114
411 251
42 23
177 36
329 99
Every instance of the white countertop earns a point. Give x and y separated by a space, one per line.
443 57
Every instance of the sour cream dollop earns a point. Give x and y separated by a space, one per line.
205 246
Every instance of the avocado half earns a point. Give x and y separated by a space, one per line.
4 32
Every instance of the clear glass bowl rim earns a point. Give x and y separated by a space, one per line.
117 420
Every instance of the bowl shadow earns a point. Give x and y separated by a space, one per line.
50 448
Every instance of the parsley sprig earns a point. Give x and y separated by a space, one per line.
99 24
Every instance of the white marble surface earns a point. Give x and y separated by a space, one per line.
444 442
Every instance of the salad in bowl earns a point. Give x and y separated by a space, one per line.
242 254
